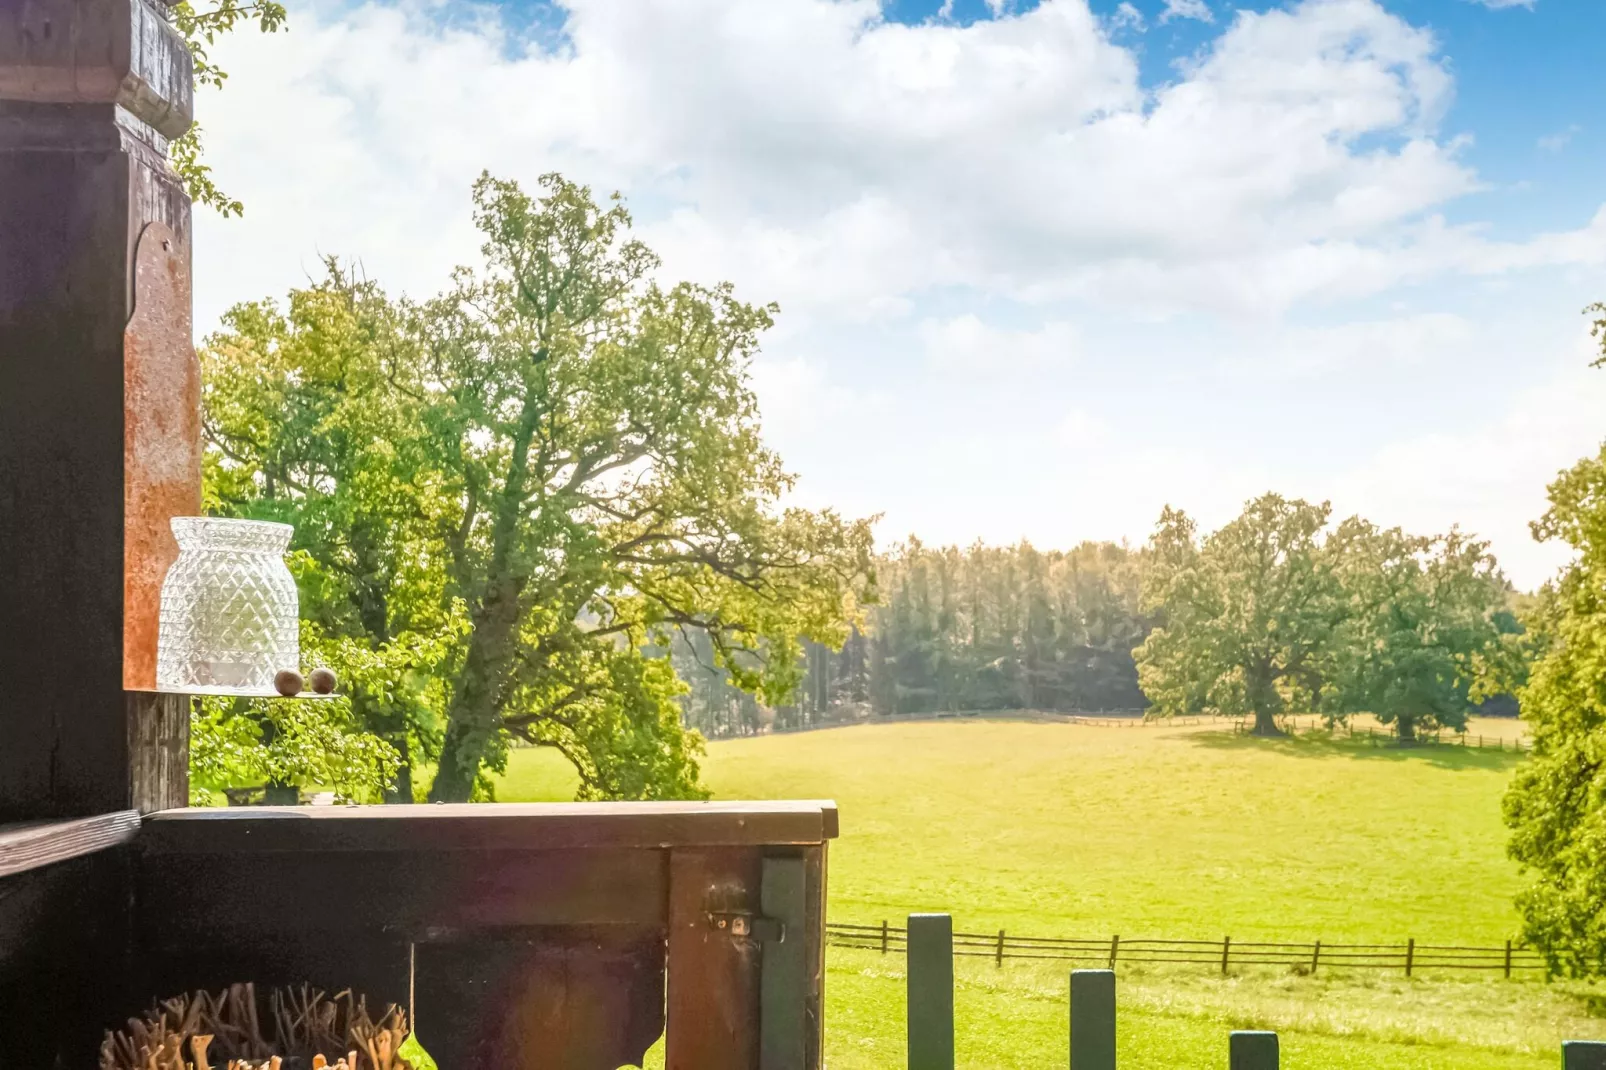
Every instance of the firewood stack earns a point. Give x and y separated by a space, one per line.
200 1031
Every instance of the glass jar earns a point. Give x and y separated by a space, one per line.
230 612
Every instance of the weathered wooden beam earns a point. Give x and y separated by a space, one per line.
931 991
784 976
1093 1020
99 395
32 844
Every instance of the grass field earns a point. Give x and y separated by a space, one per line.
1059 830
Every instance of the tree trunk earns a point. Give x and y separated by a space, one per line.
471 719
403 791
1266 723
1407 726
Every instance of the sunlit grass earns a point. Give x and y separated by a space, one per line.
1058 830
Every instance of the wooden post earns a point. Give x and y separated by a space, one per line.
1583 1055
931 992
1508 960
1251 1050
884 934
1410 955
1000 955
785 979
1115 945
1315 957
1226 948
99 399
1092 1020
713 989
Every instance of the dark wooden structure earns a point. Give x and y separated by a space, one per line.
560 936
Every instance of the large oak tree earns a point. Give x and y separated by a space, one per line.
551 467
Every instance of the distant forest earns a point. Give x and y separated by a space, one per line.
984 628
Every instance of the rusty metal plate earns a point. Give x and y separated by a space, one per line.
161 438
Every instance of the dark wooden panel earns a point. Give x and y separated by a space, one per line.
63 960
713 1006
77 185
784 980
542 999
374 964
31 844
205 898
478 826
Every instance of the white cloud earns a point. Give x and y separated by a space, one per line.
967 343
845 165
912 195
1489 476
1355 347
1559 140
1186 9
1126 17
1497 5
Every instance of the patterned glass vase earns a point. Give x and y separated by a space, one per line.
229 611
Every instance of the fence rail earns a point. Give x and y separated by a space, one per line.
1224 954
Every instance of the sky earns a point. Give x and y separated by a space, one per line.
1043 267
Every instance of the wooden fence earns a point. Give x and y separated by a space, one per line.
1408 958
932 945
1347 730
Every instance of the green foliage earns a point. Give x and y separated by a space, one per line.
1246 613
303 426
1556 807
983 628
250 742
1422 634
512 498
1273 613
201 27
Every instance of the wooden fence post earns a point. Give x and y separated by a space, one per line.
1583 1055
1092 1020
1226 947
1251 1050
884 931
1000 956
1315 957
1115 945
1508 960
1410 955
931 991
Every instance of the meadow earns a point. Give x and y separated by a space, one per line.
1050 829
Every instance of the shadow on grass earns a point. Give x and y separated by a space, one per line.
1322 744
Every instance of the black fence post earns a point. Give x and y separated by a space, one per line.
1583 1055
1092 1020
931 991
1251 1050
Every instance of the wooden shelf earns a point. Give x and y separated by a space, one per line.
487 826
31 844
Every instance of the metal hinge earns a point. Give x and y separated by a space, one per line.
752 926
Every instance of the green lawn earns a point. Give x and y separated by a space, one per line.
1060 830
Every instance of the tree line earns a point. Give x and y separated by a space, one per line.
982 628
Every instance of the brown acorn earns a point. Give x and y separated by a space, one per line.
322 681
287 682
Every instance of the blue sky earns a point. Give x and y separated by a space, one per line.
1043 268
